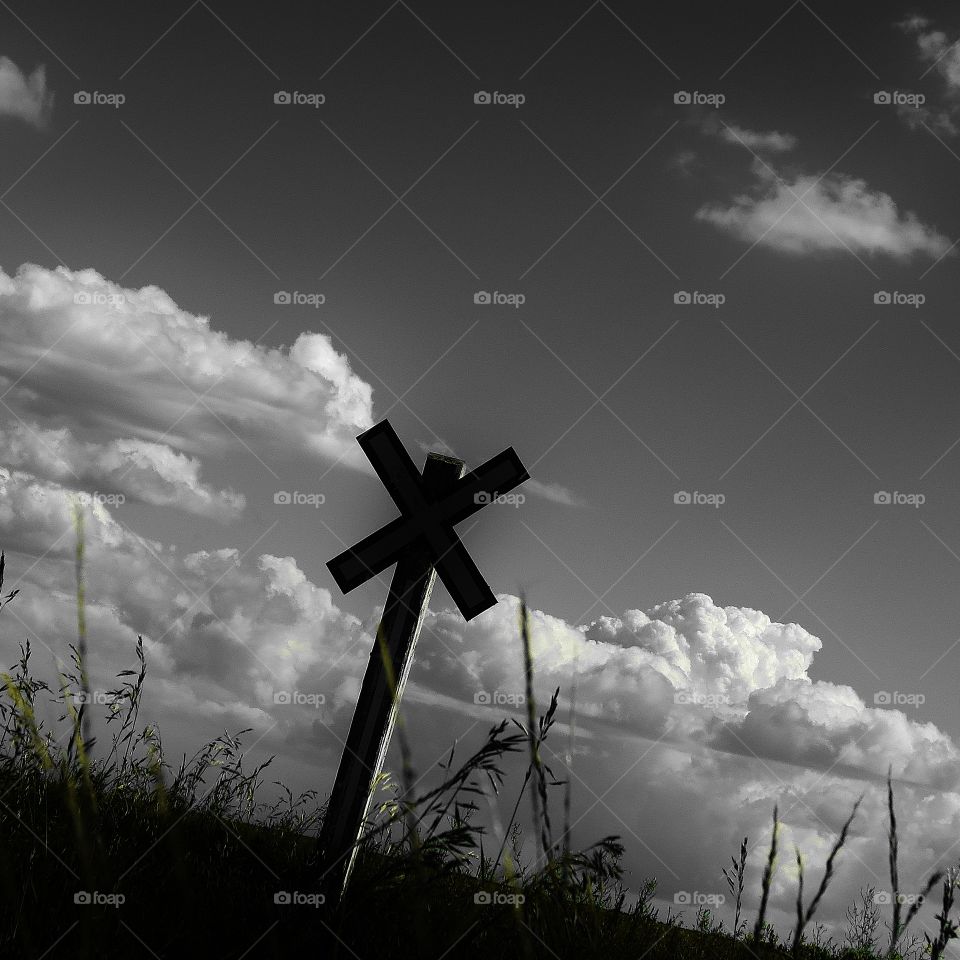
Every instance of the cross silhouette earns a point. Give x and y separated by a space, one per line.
427 518
424 545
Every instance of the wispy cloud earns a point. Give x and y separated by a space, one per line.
803 214
937 49
24 96
942 55
683 162
439 445
136 469
756 141
553 491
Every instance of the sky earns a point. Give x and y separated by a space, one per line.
718 254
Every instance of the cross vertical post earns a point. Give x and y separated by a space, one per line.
379 701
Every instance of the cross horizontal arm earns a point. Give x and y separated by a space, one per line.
386 546
393 465
372 555
477 488
464 582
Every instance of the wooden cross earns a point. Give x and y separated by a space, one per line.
423 544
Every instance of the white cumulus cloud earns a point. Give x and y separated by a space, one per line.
138 469
122 387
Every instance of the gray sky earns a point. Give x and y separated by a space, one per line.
157 365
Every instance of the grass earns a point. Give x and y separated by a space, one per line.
107 846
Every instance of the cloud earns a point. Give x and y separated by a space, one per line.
914 23
437 445
230 629
935 47
690 671
683 162
725 652
177 389
663 673
555 492
695 719
770 141
826 725
139 470
918 117
24 96
943 55
804 214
